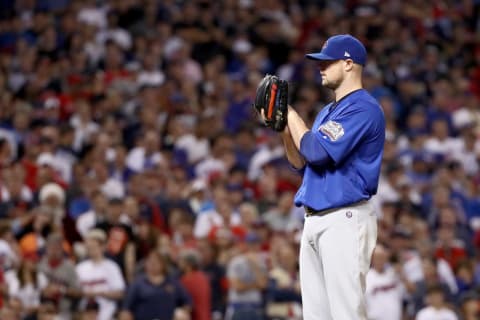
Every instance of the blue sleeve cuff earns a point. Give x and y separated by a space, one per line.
313 152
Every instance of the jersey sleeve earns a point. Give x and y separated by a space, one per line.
342 134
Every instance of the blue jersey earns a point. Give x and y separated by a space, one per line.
352 132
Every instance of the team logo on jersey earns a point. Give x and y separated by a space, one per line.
348 214
332 129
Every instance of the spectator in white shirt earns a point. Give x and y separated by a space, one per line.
86 221
384 289
82 122
436 308
100 278
440 142
26 284
147 154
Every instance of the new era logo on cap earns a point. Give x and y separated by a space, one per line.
341 47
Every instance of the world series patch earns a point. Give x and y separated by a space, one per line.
332 129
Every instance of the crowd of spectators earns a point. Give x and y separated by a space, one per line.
136 182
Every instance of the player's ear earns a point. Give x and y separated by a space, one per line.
348 64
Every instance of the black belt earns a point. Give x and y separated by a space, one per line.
312 212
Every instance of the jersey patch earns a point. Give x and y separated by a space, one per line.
332 129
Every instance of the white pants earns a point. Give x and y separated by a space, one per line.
335 255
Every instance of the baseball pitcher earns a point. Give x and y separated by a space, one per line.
340 159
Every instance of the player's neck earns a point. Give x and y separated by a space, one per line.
346 87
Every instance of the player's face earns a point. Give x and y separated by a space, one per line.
332 73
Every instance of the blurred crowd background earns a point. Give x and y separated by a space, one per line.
136 182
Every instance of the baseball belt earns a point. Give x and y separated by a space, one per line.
312 212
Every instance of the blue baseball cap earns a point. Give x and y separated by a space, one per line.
341 47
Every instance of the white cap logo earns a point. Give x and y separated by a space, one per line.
346 54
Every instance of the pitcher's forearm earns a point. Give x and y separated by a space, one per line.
296 126
291 151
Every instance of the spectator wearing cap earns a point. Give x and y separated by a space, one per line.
51 108
52 198
197 284
436 307
199 198
63 286
155 295
100 278
247 276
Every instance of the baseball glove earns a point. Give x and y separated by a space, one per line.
272 98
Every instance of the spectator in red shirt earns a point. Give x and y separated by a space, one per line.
449 247
196 283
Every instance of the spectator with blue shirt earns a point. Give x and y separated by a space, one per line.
154 295
340 159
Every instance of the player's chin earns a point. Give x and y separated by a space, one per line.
332 85
327 84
